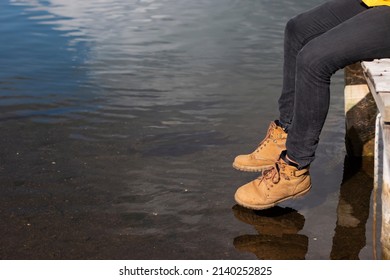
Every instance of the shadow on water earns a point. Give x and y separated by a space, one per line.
279 228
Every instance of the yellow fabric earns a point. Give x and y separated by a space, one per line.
372 3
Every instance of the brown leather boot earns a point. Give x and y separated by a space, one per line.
266 154
277 184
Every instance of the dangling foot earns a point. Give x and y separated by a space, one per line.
266 154
277 184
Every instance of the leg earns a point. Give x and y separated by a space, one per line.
299 31
363 37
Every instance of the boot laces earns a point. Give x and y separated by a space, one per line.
274 174
267 138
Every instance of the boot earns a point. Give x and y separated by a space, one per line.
277 184
266 154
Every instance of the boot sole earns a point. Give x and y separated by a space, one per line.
251 168
266 206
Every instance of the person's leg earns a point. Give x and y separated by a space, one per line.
366 36
298 32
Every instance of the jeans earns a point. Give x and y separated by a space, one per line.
317 44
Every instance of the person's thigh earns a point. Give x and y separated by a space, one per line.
322 18
299 31
365 36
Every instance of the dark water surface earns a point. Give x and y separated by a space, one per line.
119 123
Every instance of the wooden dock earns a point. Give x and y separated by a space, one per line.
367 93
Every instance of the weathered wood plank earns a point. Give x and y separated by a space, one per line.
353 75
377 73
360 113
385 235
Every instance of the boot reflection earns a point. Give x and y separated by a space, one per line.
278 237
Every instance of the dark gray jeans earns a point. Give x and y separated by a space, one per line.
317 44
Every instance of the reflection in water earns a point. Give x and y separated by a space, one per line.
352 211
278 237
119 119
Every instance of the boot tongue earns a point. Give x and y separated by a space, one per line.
269 135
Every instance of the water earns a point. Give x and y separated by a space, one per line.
120 120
